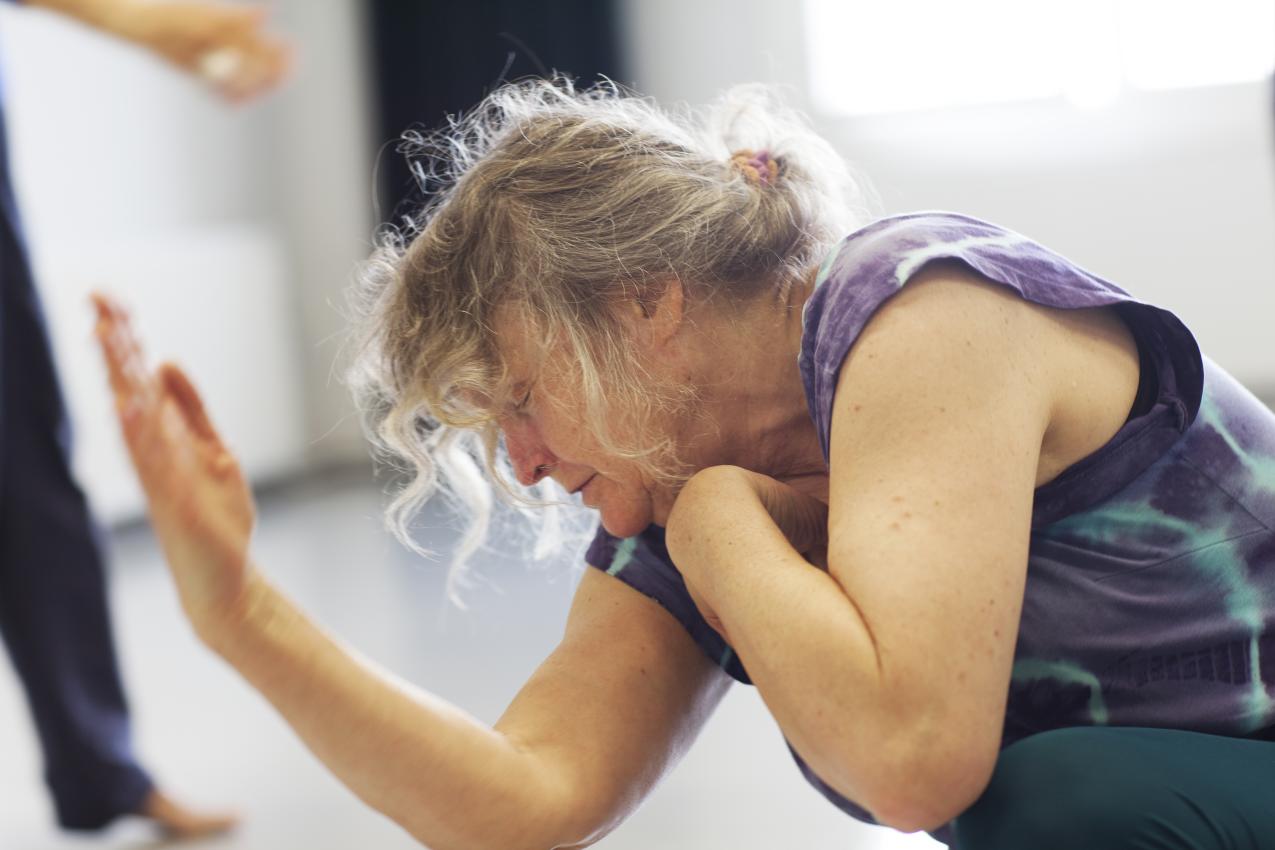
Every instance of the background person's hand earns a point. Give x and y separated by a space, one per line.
225 44
199 501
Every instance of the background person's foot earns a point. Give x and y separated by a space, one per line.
180 821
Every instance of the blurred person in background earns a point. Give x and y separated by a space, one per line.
53 596
992 538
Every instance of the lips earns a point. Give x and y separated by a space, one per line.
584 483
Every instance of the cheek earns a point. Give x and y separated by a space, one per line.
557 433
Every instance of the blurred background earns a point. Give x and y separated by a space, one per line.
1133 136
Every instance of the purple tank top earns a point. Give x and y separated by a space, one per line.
1150 590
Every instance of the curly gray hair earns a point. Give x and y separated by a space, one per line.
562 202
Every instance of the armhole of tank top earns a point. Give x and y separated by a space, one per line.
1148 381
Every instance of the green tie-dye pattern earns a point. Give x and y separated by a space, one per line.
1261 468
1208 550
1028 669
1261 709
1243 603
1218 559
623 554
1111 524
1247 604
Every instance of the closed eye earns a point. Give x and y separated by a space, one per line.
525 399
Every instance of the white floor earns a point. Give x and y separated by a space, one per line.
205 734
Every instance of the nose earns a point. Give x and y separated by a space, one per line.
530 456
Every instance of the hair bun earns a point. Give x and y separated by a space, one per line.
758 167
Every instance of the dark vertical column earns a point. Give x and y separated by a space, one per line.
432 58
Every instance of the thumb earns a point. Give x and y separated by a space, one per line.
179 388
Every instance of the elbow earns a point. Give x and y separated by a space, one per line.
930 795
913 812
921 788
539 822
522 834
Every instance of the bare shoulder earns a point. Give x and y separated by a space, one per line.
1081 365
949 336
947 300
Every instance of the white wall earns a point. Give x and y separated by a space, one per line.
1171 195
321 149
229 230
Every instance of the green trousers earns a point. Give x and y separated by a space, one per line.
1110 788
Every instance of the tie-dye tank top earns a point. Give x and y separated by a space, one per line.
1150 591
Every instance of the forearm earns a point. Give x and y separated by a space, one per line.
447 779
814 661
807 651
106 15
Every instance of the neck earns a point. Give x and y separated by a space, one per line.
753 411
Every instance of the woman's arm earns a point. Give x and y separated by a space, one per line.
611 710
601 720
447 779
618 703
889 672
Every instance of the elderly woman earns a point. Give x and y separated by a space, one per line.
989 535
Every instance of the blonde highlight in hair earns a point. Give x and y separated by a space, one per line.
562 205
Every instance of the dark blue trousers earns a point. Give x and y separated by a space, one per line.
53 612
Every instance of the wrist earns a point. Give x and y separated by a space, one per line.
251 614
701 524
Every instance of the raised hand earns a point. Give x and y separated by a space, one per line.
224 43
199 501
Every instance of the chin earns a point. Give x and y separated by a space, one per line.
624 527
624 523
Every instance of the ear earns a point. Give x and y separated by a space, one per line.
659 313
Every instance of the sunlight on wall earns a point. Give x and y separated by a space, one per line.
924 54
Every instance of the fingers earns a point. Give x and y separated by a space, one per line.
242 73
136 398
166 426
802 518
179 388
206 449
126 364
134 387
247 61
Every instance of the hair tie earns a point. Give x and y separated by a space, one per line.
759 167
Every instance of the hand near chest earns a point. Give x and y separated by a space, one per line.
720 506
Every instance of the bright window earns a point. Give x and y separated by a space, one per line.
901 55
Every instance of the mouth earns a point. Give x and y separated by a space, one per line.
584 483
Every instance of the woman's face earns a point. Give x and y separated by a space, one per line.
541 421
750 408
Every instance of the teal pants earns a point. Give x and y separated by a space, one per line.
1102 788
